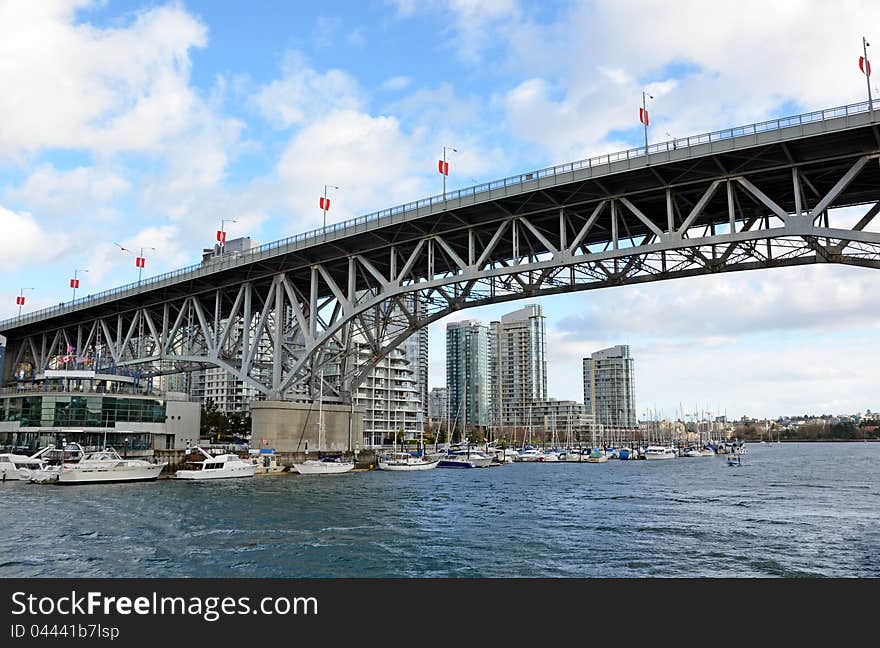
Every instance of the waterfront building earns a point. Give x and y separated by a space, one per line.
518 364
389 396
467 373
609 389
416 348
96 410
437 404
565 421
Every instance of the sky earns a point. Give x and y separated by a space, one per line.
144 124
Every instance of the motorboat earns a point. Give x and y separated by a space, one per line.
106 466
551 455
16 467
660 452
403 461
530 454
324 466
221 466
734 460
692 452
707 452
596 456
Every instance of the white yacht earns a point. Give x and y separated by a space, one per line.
16 467
550 455
403 461
693 451
530 454
325 466
223 466
106 466
660 452
597 455
266 462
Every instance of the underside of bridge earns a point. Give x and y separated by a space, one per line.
284 322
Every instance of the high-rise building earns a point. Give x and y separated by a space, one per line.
518 364
437 409
416 347
467 372
560 421
609 388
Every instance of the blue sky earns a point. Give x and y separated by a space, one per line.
144 123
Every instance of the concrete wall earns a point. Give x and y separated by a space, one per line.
288 427
183 420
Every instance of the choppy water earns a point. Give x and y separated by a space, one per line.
790 510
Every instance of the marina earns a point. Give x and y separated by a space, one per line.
787 511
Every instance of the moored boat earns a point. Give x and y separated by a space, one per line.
324 466
222 466
106 466
597 456
660 452
404 462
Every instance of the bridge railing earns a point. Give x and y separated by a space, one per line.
317 235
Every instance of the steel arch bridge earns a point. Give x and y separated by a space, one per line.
288 315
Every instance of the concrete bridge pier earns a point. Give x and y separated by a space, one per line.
292 428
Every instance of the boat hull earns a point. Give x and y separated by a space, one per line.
427 465
108 476
322 468
199 475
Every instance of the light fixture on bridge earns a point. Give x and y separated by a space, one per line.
324 202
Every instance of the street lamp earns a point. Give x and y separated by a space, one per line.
140 261
74 283
443 167
324 202
221 233
643 116
20 299
867 70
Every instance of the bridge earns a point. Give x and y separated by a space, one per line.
285 317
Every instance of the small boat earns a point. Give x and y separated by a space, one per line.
530 454
735 460
572 456
465 459
707 452
692 452
597 456
324 466
660 452
106 466
266 462
403 462
624 454
551 455
223 466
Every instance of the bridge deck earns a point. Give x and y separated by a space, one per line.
820 143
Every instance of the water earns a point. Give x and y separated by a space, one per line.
790 510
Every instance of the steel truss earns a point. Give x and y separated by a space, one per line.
279 332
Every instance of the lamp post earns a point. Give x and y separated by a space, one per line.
74 283
221 233
20 299
867 71
444 168
140 261
324 202
643 117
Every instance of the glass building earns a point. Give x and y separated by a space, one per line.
467 373
609 388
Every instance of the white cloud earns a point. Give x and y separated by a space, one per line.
105 90
396 83
26 242
68 193
303 94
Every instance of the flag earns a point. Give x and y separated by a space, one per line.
221 237
139 262
70 348
325 203
19 301
443 167
74 283
865 66
643 116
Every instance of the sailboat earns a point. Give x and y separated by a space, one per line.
325 465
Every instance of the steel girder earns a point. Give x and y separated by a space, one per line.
279 332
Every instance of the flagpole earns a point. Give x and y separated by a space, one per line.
645 120
868 76
74 280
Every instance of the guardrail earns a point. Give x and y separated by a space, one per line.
317 235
